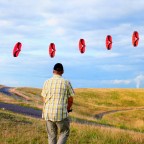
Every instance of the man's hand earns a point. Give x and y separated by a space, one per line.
70 110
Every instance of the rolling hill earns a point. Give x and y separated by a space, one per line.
107 108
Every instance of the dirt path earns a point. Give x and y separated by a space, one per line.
21 109
17 108
30 111
5 90
8 91
38 113
100 115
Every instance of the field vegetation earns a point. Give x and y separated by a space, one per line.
19 129
123 108
23 96
118 112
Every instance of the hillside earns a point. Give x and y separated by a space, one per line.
122 108
19 129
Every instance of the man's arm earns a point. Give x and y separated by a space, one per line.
70 103
43 99
70 96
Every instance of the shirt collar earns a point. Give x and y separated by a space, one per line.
57 76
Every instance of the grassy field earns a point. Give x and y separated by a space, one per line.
19 129
128 105
90 102
127 120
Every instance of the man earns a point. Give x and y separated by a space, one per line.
57 96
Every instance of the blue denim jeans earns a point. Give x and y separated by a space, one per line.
52 130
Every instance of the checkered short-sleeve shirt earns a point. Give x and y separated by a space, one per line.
56 92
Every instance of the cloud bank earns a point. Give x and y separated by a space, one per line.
38 23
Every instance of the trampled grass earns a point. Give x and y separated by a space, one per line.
19 129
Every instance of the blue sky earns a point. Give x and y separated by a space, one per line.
37 23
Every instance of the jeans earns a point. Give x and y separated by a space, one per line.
52 130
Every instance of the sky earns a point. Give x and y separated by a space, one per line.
37 23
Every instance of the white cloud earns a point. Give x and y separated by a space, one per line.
5 23
116 82
139 79
121 81
51 22
116 68
37 23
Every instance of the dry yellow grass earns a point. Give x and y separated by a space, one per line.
91 101
102 135
18 129
5 98
133 120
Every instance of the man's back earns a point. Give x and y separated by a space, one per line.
56 91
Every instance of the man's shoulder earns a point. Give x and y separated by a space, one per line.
48 80
66 80
59 78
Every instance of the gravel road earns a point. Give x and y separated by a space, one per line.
21 109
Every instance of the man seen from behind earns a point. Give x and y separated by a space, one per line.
57 96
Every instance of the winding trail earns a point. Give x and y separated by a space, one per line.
100 115
37 113
7 91
21 109
17 108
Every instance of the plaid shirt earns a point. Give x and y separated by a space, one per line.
56 92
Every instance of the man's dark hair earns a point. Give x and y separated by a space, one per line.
58 67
